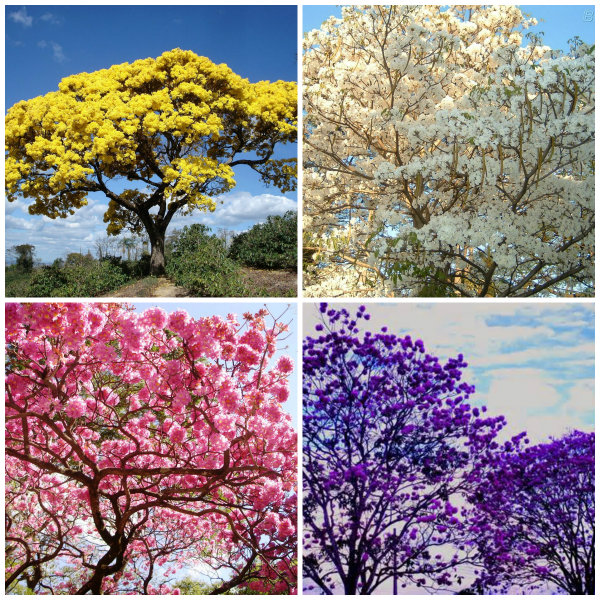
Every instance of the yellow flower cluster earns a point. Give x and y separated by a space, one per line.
175 119
190 176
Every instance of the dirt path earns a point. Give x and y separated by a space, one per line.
167 289
260 282
150 287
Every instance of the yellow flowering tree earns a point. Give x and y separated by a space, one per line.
156 136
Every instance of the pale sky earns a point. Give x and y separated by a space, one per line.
531 362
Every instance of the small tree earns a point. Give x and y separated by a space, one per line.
24 256
199 262
535 520
387 439
270 245
173 127
138 443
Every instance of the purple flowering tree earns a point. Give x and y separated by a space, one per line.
534 520
389 440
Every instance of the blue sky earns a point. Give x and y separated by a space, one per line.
46 43
560 23
531 362
283 311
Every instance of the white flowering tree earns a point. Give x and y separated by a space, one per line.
446 154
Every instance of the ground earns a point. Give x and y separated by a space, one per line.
272 283
260 282
150 287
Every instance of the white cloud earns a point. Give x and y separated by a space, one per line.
51 18
581 396
240 208
19 223
54 238
57 50
20 16
531 401
239 211
11 207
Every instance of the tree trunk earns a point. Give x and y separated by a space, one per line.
351 582
157 253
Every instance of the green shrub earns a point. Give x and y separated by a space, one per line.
85 280
270 245
16 282
136 269
198 261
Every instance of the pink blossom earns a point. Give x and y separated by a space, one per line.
76 408
285 364
177 434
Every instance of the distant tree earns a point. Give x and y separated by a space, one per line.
189 586
174 127
24 255
269 245
534 524
226 235
76 259
198 261
127 244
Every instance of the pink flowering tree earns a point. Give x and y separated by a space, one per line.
137 444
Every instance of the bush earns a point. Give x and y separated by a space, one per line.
198 261
136 269
16 282
270 245
91 279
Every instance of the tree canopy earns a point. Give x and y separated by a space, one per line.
535 518
137 444
24 255
446 156
388 436
156 136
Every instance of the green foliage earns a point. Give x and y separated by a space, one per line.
192 587
271 245
75 275
85 280
198 261
16 282
136 269
76 259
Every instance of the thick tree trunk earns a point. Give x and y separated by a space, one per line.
157 254
351 582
